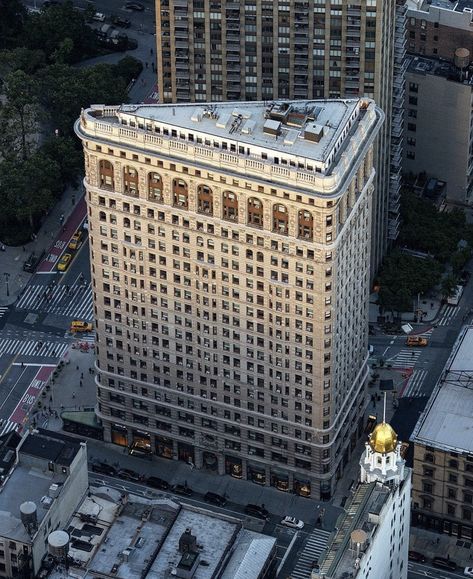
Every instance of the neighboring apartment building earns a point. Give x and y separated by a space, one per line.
442 496
230 250
39 491
439 122
436 28
372 538
210 51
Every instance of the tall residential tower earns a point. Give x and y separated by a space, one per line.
230 249
210 51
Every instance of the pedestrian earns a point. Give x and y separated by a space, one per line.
77 367
153 67
24 248
3 248
82 375
438 540
80 383
146 64
73 395
151 51
50 399
22 364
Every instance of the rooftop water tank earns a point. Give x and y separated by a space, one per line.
58 544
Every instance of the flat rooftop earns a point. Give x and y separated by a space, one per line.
440 68
51 446
214 536
24 484
447 421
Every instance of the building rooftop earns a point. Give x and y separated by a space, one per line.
361 514
312 144
447 421
25 483
51 446
214 535
441 68
133 537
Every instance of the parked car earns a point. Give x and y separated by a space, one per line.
416 556
442 563
104 468
468 572
64 262
128 474
215 499
292 523
99 17
157 483
134 6
257 511
182 490
122 22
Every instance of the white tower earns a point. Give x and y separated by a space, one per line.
382 460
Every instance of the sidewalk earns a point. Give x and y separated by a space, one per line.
430 307
435 544
12 259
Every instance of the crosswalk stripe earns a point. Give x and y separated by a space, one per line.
7 426
29 348
79 304
405 359
316 543
3 310
414 385
447 315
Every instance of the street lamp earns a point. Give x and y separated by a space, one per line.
7 279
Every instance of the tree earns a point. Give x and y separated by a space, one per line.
449 286
64 151
19 116
12 17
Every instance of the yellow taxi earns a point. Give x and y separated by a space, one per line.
74 243
416 341
80 326
64 262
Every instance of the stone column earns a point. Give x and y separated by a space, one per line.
167 184
342 216
292 225
192 196
352 194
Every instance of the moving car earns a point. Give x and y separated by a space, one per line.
103 468
468 572
292 523
182 490
122 22
74 243
157 483
128 474
64 262
215 499
256 511
134 6
442 563
416 341
80 326
416 556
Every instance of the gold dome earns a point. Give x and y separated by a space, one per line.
383 439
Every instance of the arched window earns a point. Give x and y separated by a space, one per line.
305 225
102 216
106 175
255 212
155 187
130 181
280 219
180 194
205 200
126 222
230 206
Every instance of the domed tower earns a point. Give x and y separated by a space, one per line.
382 460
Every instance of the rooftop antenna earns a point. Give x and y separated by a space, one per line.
384 409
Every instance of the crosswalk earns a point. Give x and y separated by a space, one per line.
447 315
74 301
414 384
33 348
313 548
7 426
406 358
3 311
